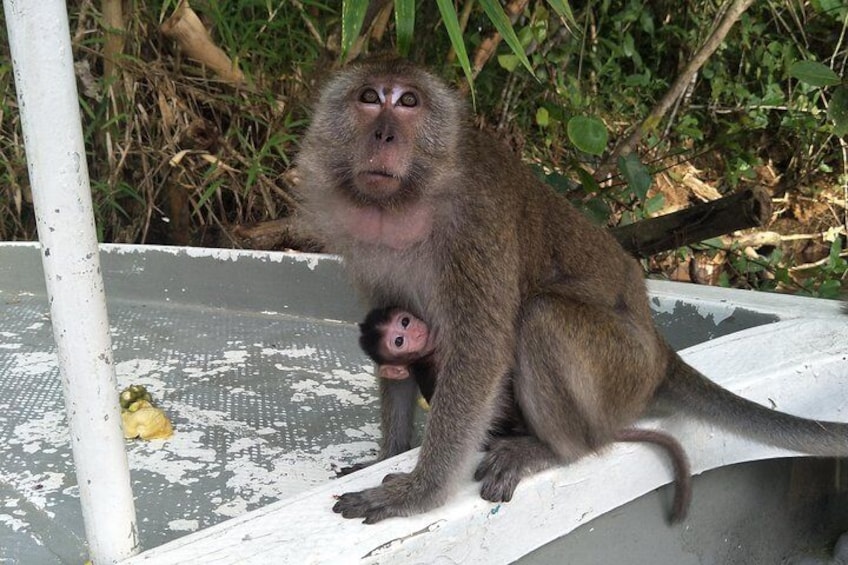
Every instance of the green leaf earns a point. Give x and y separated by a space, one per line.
829 288
636 174
501 22
353 14
813 73
588 182
405 24
542 117
563 10
598 210
654 204
508 62
451 20
587 134
837 111
835 250
832 8
560 183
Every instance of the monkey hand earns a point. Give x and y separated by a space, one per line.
399 495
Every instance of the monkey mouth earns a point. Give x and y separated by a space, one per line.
378 183
378 175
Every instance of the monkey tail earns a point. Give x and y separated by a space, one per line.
682 472
685 387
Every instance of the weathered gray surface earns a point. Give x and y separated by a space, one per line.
764 512
255 361
254 357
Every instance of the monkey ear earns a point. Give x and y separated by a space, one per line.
394 372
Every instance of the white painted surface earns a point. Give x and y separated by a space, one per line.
799 366
728 299
46 88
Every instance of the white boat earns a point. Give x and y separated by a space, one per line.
254 356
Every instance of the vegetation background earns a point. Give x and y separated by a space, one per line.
199 153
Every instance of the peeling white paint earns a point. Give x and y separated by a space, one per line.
37 486
308 389
34 363
37 434
183 525
147 372
291 352
15 524
312 260
232 508
235 357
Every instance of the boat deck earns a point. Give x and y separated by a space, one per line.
254 357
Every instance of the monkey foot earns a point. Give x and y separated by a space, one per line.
498 481
354 468
506 462
397 496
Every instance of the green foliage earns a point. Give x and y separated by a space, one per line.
837 111
587 134
813 73
501 22
405 23
636 174
565 86
353 16
451 22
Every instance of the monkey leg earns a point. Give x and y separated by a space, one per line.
573 396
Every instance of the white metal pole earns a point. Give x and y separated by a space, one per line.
39 38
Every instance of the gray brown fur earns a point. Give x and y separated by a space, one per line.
509 422
471 234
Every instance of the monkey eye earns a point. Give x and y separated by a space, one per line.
399 342
369 96
409 100
404 321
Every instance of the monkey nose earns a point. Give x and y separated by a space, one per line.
378 135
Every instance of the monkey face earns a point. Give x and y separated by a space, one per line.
386 114
380 130
406 338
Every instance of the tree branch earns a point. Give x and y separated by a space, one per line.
677 89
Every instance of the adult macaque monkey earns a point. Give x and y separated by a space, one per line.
401 345
440 219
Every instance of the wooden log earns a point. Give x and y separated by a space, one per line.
745 209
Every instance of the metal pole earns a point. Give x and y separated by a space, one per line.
40 43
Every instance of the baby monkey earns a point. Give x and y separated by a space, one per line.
395 339
402 346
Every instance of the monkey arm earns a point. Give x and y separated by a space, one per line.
397 411
469 376
397 405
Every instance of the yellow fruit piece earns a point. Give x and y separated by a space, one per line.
146 421
423 403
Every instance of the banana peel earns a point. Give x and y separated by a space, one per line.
145 421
